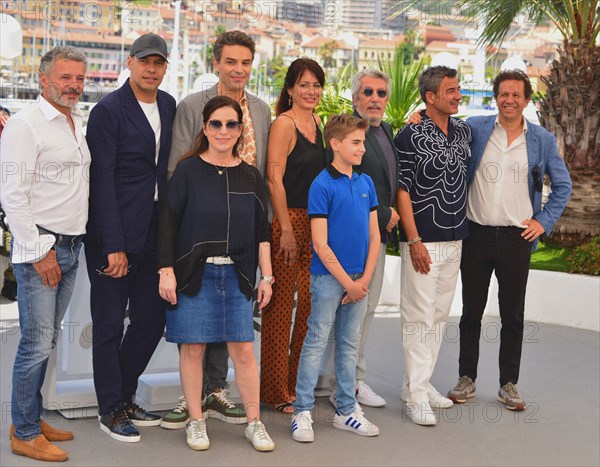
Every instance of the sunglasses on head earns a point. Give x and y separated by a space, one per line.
380 92
216 125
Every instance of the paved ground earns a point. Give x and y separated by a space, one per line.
560 382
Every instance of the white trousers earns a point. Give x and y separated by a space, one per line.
372 302
424 306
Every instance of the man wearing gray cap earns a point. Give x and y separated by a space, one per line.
129 136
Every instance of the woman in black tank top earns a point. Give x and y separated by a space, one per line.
295 157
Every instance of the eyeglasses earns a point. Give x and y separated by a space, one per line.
215 126
380 92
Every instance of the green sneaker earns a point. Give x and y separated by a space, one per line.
179 416
220 406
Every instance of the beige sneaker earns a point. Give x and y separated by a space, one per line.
509 396
464 389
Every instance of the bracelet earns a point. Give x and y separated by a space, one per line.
268 279
413 241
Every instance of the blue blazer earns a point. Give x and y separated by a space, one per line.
124 172
542 153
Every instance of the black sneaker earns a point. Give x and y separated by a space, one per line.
118 426
140 417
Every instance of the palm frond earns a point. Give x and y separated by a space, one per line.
405 93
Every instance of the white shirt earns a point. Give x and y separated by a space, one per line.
44 178
153 116
499 193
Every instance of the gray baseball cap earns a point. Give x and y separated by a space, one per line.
149 44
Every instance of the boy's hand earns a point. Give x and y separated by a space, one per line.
355 292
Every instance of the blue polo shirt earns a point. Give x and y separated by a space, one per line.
433 170
346 204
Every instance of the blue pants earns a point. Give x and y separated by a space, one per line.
41 310
346 320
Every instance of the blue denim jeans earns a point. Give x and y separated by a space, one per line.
41 310
346 320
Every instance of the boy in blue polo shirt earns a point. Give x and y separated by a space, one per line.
345 236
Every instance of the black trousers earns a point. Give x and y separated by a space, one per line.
119 358
504 252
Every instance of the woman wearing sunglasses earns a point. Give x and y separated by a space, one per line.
295 157
214 232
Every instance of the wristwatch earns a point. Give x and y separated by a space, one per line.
268 279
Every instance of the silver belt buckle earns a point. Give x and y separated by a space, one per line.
221 260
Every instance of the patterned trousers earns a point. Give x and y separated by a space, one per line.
279 355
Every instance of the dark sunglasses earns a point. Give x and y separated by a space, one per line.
216 125
380 92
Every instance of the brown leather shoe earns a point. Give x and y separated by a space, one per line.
51 433
54 434
41 449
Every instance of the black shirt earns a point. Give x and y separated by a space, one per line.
304 163
207 214
433 170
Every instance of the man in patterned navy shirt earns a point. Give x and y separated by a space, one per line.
432 206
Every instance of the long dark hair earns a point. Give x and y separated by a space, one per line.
294 73
201 141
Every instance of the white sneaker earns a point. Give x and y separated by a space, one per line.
257 434
197 438
333 400
420 413
366 396
436 400
302 427
356 423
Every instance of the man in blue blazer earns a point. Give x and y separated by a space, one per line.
509 158
129 135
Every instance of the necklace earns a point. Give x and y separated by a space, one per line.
221 169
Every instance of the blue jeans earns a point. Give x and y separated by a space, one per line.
346 320
41 310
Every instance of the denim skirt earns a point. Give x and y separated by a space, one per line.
219 313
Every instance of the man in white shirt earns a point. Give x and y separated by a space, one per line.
45 164
510 157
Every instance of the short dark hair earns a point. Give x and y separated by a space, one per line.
233 38
338 127
432 77
293 75
516 75
201 141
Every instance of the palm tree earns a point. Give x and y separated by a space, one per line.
404 73
571 107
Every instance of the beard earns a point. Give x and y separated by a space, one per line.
61 97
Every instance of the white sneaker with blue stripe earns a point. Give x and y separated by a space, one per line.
356 423
302 427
